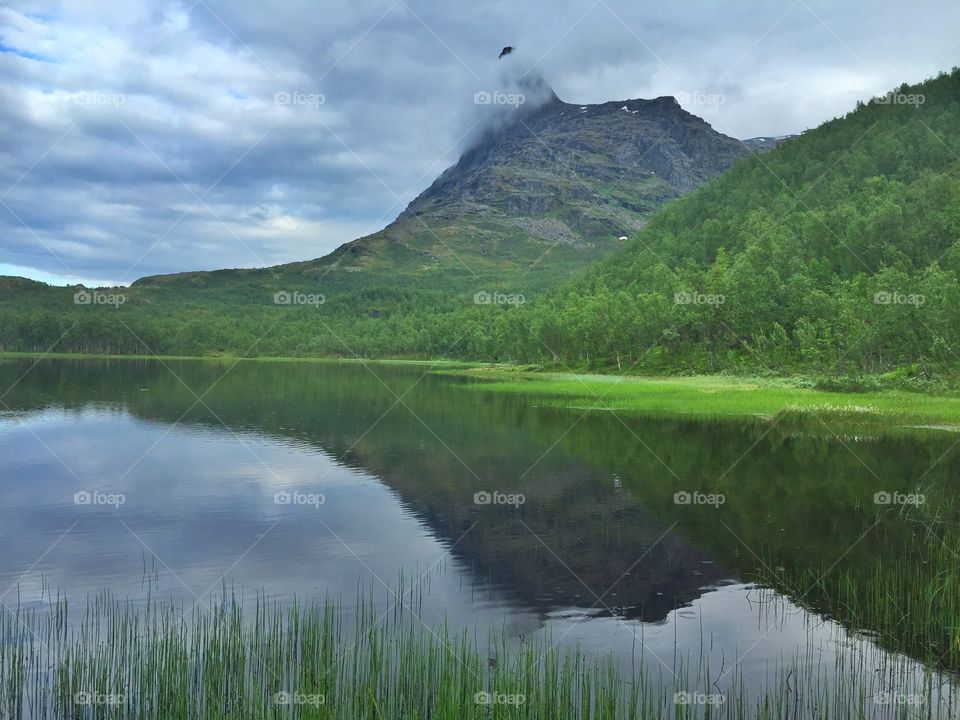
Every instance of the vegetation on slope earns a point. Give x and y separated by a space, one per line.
838 251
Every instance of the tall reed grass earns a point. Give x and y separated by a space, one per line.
909 605
257 660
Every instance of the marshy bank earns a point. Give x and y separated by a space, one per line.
259 659
721 397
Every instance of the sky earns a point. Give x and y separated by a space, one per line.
142 137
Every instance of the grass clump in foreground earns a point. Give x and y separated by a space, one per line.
306 661
910 605
720 397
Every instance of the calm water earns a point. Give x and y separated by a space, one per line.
181 479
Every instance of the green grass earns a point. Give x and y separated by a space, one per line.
909 605
721 397
227 662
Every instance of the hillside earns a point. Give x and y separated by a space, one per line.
836 251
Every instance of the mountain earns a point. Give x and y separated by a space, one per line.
546 189
556 185
837 251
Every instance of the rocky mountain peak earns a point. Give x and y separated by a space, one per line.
549 177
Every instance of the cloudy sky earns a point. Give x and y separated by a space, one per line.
142 137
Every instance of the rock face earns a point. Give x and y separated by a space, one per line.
567 180
567 153
766 144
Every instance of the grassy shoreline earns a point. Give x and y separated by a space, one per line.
699 397
717 397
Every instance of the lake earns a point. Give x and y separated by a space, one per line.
667 540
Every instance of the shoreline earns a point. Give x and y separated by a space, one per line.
696 397
724 397
237 358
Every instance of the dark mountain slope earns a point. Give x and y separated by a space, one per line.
551 189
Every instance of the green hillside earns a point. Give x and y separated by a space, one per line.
836 252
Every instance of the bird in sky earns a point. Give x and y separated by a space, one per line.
506 51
